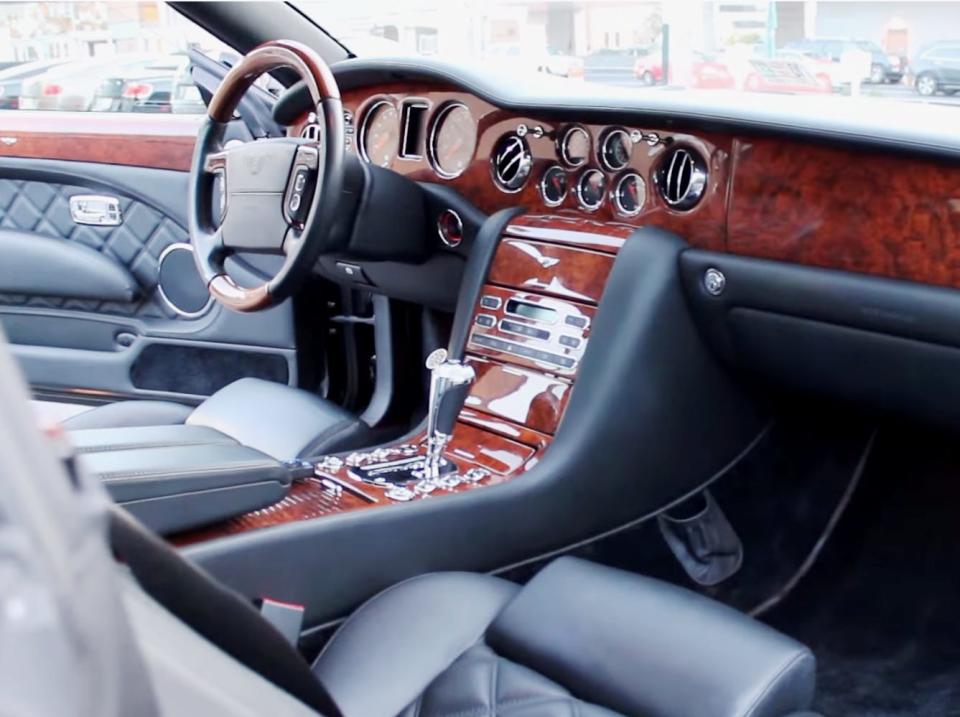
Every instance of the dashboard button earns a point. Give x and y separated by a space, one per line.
486 320
579 321
571 342
490 302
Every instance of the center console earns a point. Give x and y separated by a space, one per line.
495 407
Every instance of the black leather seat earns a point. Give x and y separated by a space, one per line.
579 639
278 420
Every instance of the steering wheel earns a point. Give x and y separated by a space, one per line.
280 195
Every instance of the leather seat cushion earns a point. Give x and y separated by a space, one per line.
130 413
578 638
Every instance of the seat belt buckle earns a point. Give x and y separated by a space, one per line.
286 618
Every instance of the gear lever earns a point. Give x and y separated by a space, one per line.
449 383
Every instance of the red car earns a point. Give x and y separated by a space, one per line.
706 72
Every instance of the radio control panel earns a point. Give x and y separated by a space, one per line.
543 332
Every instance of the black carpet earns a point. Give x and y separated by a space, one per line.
881 608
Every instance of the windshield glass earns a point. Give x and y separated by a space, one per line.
891 50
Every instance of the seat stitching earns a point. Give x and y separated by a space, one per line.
493 685
516 702
769 685
144 444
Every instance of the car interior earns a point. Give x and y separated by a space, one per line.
413 388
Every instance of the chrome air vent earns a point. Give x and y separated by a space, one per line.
511 162
681 178
311 131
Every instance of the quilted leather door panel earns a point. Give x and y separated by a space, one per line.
65 344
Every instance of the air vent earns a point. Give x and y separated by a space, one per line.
311 132
681 178
511 162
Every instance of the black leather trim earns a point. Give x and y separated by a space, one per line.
578 637
129 413
641 646
41 266
128 438
400 640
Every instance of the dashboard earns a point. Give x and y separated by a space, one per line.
751 194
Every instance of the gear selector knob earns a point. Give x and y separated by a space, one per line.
449 383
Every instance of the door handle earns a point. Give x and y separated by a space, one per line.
97 209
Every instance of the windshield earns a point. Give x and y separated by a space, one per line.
873 49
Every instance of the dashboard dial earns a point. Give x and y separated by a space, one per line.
630 194
575 146
380 134
453 140
615 150
590 189
553 185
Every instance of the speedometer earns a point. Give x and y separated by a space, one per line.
453 140
380 134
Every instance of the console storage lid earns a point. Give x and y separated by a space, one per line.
178 486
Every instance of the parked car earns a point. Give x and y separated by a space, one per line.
884 67
511 57
707 71
937 68
13 77
75 85
783 75
615 64
139 88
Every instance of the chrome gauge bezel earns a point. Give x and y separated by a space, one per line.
543 179
562 149
579 189
432 140
602 149
615 194
368 114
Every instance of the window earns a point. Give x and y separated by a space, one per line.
100 57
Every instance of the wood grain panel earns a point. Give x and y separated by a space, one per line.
556 270
844 209
704 226
529 398
471 446
164 142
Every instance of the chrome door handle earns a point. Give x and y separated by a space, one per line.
96 209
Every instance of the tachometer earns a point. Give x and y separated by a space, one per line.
380 134
453 140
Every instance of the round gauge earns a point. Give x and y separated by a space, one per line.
615 150
575 146
380 134
553 185
452 141
630 194
590 189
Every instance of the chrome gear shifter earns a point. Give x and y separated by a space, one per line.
449 383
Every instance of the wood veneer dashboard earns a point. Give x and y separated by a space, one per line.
785 199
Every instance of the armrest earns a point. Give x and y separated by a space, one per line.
175 487
41 266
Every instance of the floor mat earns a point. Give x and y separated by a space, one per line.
881 608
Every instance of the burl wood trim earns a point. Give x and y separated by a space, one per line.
115 138
560 271
845 209
310 499
521 396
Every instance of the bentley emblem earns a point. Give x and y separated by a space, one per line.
254 163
